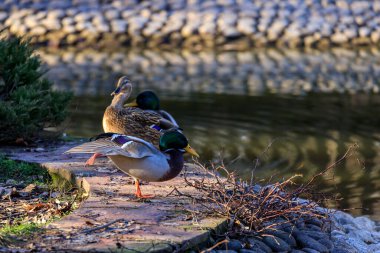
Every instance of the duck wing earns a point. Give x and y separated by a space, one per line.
169 117
123 145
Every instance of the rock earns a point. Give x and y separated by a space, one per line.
308 250
342 246
314 221
308 242
313 227
343 218
82 17
226 251
252 251
364 223
234 245
112 14
30 188
3 16
326 242
287 237
118 26
364 31
316 235
297 251
257 244
339 38
11 182
276 243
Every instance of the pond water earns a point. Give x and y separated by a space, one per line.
295 112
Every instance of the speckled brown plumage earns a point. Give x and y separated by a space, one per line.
132 121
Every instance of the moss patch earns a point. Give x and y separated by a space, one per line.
21 171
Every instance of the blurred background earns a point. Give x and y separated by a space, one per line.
273 88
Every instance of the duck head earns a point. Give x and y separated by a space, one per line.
123 86
146 100
175 140
122 92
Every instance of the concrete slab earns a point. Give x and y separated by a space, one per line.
161 224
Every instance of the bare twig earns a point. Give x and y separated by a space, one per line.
87 231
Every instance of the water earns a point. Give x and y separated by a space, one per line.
300 113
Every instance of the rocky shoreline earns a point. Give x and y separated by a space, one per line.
226 24
341 234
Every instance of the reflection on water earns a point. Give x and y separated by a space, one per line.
234 104
306 134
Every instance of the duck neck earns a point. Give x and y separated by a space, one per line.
119 100
175 163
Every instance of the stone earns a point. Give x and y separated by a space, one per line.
342 246
226 251
364 31
119 26
339 38
308 242
82 17
3 16
316 235
364 223
251 251
38 31
276 244
308 250
234 245
326 242
343 218
257 244
314 221
112 14
288 238
313 227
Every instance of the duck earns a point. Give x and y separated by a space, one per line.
141 159
132 121
148 100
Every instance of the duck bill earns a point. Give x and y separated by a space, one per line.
131 104
116 91
191 151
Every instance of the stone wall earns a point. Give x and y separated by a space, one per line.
195 24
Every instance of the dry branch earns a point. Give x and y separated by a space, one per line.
252 209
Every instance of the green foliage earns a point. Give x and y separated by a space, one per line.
27 102
20 229
21 171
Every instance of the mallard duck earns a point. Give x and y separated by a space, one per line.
131 120
139 158
148 100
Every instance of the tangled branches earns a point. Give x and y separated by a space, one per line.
250 208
